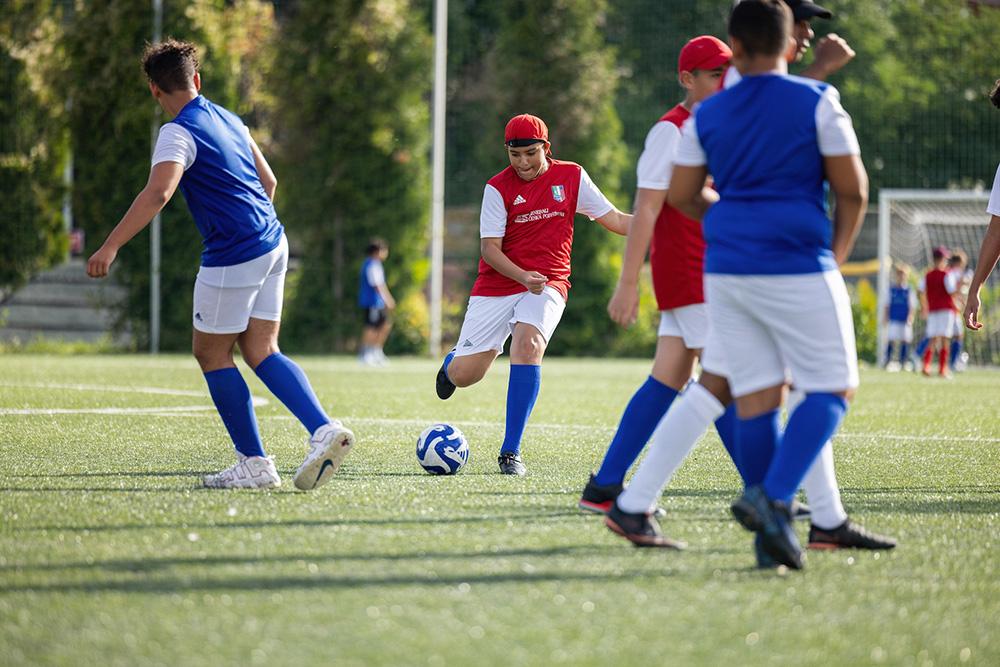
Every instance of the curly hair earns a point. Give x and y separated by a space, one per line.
995 94
171 64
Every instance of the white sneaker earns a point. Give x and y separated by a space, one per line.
252 472
328 447
380 358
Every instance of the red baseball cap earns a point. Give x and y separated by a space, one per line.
525 130
704 52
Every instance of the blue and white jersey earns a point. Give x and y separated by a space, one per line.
372 276
763 141
235 216
902 301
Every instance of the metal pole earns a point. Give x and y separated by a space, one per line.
437 167
884 261
154 229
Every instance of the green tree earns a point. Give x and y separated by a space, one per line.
33 142
353 124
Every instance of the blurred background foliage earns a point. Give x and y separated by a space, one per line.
337 94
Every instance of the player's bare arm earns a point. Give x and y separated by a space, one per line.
688 192
849 183
386 295
163 180
493 254
989 253
267 177
830 54
624 304
615 221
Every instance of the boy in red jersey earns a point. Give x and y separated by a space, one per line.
526 226
937 289
677 259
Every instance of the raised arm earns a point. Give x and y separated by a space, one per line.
615 221
163 180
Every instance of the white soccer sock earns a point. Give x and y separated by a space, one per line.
820 483
675 436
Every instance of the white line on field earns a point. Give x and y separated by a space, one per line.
257 402
111 388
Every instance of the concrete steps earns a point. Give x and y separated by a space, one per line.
63 304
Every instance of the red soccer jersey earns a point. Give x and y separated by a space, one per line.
677 255
538 235
938 296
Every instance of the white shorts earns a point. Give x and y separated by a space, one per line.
689 323
226 297
941 323
784 327
900 331
713 355
489 320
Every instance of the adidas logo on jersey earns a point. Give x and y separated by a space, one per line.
519 200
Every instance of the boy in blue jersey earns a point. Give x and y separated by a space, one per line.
898 318
375 299
777 301
208 152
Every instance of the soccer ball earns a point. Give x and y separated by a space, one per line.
442 449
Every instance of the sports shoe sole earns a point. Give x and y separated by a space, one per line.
270 485
746 514
595 508
644 540
314 474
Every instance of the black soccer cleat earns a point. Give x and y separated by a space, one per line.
801 511
772 520
642 530
764 561
510 464
597 498
848 535
445 387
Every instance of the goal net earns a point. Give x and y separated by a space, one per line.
914 222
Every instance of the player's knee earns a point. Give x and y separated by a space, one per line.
528 349
210 359
253 355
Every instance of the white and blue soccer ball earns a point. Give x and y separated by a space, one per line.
442 449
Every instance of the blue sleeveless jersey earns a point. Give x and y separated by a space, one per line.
368 296
236 218
762 150
899 303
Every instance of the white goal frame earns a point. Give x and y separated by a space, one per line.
886 198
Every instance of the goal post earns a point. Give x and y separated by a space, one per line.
911 223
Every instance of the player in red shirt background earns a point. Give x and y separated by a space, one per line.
526 230
937 290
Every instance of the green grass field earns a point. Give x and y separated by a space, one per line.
110 554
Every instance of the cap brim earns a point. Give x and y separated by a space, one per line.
808 11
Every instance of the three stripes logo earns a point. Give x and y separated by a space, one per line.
519 200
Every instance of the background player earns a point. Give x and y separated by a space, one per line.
676 259
526 225
898 318
937 290
958 266
990 249
375 300
208 152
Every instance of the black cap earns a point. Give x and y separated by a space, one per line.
803 10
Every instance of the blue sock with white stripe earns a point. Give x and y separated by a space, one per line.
643 413
522 390
727 427
231 396
289 383
758 438
808 429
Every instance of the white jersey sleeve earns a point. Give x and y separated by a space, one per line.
994 206
922 285
591 201
834 130
951 280
689 151
375 274
657 159
493 216
175 144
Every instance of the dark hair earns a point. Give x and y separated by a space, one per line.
171 64
762 26
957 257
995 94
376 245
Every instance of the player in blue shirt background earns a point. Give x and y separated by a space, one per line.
209 154
898 318
375 300
778 304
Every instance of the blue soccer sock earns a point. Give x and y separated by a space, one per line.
888 353
758 438
956 350
522 390
231 396
922 346
809 428
289 383
447 362
643 413
904 352
727 427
